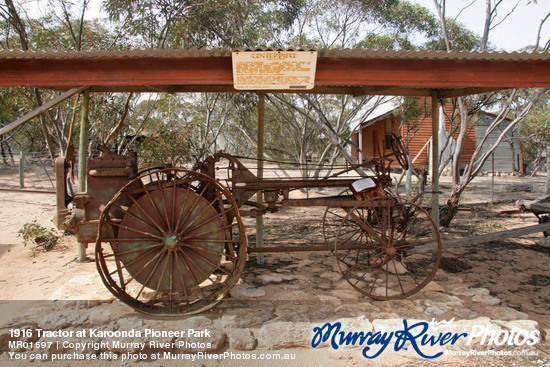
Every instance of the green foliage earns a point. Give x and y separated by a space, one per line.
183 126
491 227
40 237
237 23
403 17
535 129
460 38
409 111
209 23
170 143
171 133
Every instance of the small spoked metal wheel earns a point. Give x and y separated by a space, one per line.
377 248
399 151
171 242
332 218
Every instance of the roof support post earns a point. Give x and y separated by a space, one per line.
260 175
82 160
83 146
435 157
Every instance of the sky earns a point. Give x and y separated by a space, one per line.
517 31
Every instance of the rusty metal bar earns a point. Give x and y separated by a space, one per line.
295 184
303 248
334 201
28 191
484 238
40 110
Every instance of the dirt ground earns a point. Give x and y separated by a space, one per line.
516 271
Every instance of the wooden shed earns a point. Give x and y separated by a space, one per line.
373 137
508 156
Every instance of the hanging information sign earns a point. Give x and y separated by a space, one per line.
274 70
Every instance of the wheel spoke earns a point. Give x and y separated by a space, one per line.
350 237
208 261
126 212
174 201
135 230
162 253
408 224
143 211
137 258
191 273
130 251
380 246
170 294
130 239
365 226
163 199
183 205
162 276
203 272
359 278
190 210
206 221
210 250
397 275
159 270
183 286
133 276
148 194
205 233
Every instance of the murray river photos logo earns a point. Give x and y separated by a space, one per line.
418 336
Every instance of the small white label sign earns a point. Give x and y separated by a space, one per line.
365 183
274 70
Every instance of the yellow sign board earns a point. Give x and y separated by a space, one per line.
274 70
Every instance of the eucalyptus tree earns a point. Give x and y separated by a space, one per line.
320 126
62 27
453 40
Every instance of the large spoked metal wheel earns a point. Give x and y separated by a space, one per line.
171 242
375 248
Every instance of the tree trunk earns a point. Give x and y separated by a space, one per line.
448 212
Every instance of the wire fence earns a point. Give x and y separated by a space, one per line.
30 170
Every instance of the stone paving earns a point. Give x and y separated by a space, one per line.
273 310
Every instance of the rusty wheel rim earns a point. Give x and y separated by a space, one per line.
171 242
375 248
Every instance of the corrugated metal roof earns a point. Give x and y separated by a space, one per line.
440 55
323 53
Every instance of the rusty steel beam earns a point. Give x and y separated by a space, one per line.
336 75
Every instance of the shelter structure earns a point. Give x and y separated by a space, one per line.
354 72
